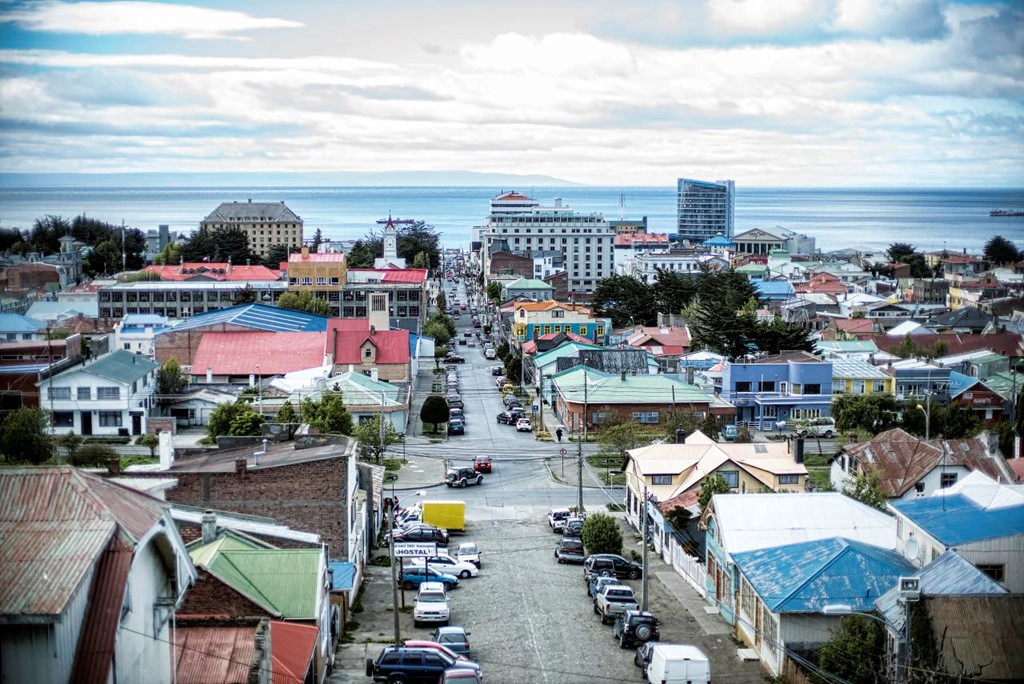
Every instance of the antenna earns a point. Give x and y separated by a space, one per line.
622 204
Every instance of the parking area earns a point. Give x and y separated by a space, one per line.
529 617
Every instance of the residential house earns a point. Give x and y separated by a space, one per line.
646 265
381 354
137 332
219 650
545 343
366 398
929 290
22 362
784 589
985 402
979 363
920 379
586 399
981 519
542 318
909 467
858 350
545 364
774 293
194 407
265 224
93 573
960 267
528 288
740 524
667 344
823 283
791 385
853 376
53 313
111 395
975 293
967 319
18 328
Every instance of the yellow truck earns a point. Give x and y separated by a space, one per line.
449 515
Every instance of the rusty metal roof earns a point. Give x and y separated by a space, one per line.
292 647
212 655
980 635
54 524
95 652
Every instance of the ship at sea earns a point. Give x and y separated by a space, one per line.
1006 212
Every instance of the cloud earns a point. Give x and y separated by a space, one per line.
910 19
762 16
557 54
147 18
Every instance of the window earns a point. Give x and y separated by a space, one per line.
110 419
368 353
878 386
809 389
838 387
858 386
59 393
732 478
648 417
789 479
558 313
661 479
742 386
919 488
84 393
996 572
63 419
599 418
948 480
766 386
108 394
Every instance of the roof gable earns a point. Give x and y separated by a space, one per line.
284 581
120 366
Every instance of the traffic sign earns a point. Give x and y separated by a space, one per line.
562 451
414 550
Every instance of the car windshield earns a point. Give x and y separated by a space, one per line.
468 548
432 598
452 639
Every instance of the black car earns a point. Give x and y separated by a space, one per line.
607 564
497 370
573 527
634 626
461 477
454 358
402 664
505 418
456 426
429 535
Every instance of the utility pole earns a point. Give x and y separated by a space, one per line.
124 250
394 574
643 592
579 450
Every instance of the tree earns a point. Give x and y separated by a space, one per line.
304 301
364 252
328 415
275 255
624 298
23 436
229 243
247 423
421 260
244 295
867 489
170 381
234 419
601 534
318 239
440 354
434 411
872 413
70 443
93 455
999 251
494 289
855 653
625 436
151 442
374 440
104 259
709 426
711 485
285 414
899 252
442 302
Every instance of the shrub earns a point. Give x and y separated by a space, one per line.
93 455
601 534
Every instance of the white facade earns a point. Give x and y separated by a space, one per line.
843 475
648 264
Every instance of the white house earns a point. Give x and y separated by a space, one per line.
111 395
93 573
136 332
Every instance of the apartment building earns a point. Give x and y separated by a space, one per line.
705 209
266 224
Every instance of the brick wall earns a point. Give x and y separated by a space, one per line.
155 426
210 596
505 262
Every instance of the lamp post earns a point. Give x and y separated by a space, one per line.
927 408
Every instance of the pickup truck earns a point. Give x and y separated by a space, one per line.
613 601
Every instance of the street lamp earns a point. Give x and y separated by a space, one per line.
927 408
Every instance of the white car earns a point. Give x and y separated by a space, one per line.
557 518
431 604
490 353
469 552
447 565
523 425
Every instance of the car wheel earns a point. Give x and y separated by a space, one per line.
559 559
634 573
828 434
643 633
605 573
408 585
479 479
396 679
596 611
604 620
464 574
369 667
462 484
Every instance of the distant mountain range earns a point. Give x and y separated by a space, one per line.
326 178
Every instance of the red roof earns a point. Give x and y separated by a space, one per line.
628 239
276 353
646 336
347 325
214 271
210 655
512 196
855 325
98 634
319 257
392 347
291 647
1017 466
1007 344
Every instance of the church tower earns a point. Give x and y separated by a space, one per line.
390 259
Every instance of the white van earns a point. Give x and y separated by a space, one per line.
678 664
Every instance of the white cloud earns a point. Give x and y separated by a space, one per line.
762 16
111 18
559 54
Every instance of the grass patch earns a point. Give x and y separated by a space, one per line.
819 479
816 460
391 464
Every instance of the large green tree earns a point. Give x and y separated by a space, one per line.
328 414
434 411
24 436
624 299
304 301
872 413
494 290
234 419
218 245
867 489
855 653
625 436
374 437
411 241
601 534
170 381
999 251
709 486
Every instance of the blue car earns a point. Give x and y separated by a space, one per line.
414 577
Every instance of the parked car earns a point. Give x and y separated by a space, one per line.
511 401
456 403
468 332
447 565
507 418
434 646
614 600
461 477
500 381
497 370
524 425
482 464
458 675
456 426
430 604
569 550
608 564
573 527
642 657
595 585
817 427
489 353
557 518
423 534
730 432
635 627
413 576
454 358
462 341
469 553
455 638
400 663
454 413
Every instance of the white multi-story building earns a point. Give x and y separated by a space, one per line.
524 226
705 209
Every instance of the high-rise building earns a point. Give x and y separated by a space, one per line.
266 224
705 209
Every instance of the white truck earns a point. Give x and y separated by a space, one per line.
614 600
678 664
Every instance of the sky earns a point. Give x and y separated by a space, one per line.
765 92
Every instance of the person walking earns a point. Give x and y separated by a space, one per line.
558 434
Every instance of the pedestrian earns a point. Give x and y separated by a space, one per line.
558 433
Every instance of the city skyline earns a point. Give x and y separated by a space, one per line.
778 93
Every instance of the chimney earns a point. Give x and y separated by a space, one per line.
209 375
373 374
114 465
680 436
623 376
689 375
209 527
798 452
240 465
305 252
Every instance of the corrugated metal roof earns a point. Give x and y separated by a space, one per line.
392 347
238 353
16 323
857 369
120 366
605 388
807 576
204 554
214 655
292 648
980 634
955 520
95 653
361 390
258 317
758 521
404 275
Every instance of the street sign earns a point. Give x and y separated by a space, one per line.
414 550
562 451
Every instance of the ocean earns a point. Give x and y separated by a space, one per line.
865 219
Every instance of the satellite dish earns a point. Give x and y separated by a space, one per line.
910 548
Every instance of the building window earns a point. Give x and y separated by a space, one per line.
732 478
558 313
59 393
789 479
599 418
878 386
84 393
809 389
110 419
661 479
62 419
647 417
919 488
766 386
858 386
742 386
368 353
948 480
996 572
108 394
838 387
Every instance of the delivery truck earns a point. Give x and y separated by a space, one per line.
449 515
678 664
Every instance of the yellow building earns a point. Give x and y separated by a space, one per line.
266 224
851 376
319 273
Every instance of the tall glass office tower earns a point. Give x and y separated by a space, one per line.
705 209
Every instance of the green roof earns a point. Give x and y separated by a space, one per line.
847 345
283 581
752 268
121 366
564 349
607 388
528 284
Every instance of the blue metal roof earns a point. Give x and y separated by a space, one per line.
954 520
767 289
23 369
805 577
343 575
258 317
16 323
718 241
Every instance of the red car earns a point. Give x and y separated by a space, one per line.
482 464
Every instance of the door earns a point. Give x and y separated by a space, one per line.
136 423
86 417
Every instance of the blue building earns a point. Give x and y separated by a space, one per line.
778 388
